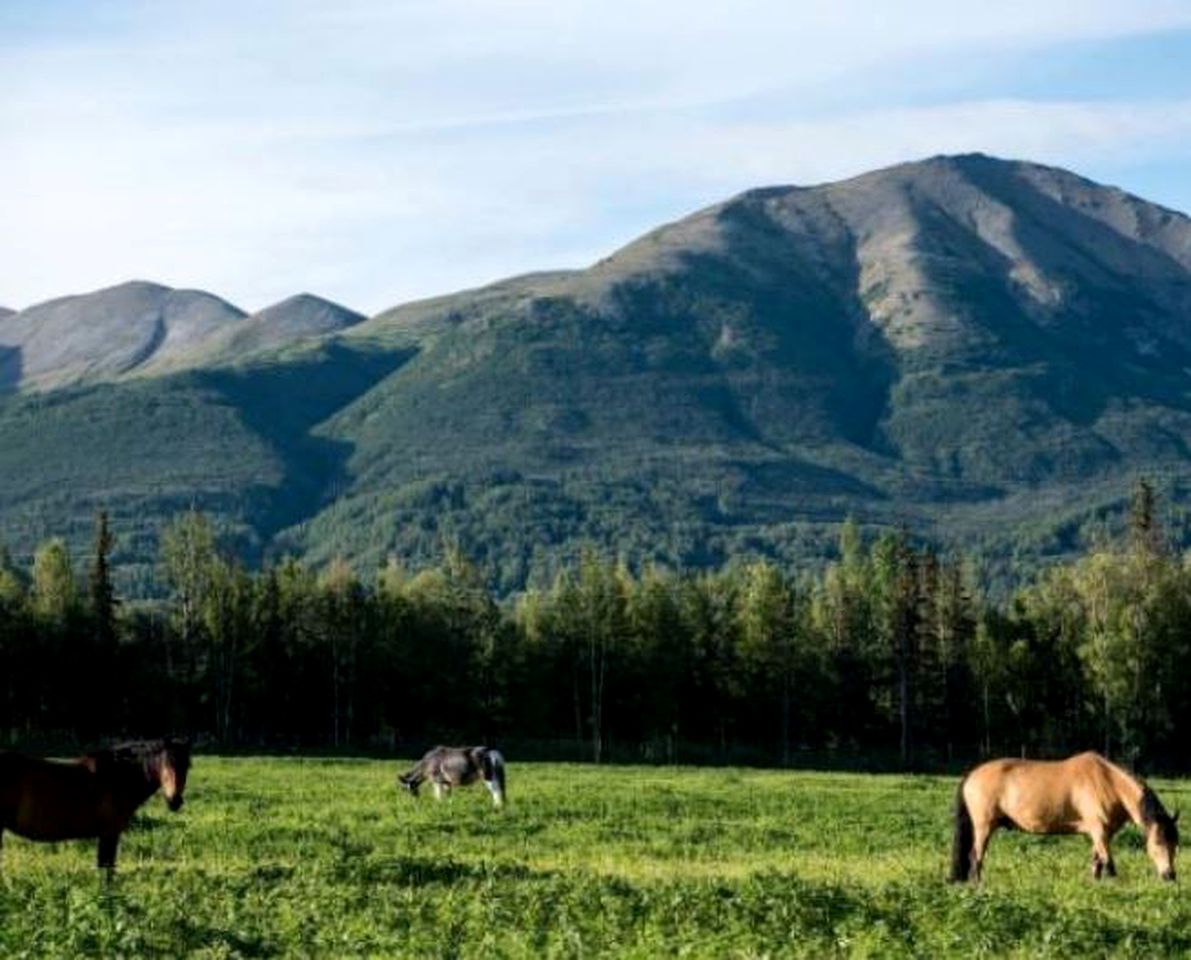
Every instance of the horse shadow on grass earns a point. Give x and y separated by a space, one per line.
148 823
421 871
189 934
199 938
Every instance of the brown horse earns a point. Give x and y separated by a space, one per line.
1083 794
93 796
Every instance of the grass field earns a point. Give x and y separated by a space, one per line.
284 857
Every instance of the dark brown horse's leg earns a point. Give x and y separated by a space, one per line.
107 852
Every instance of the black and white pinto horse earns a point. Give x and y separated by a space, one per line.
447 767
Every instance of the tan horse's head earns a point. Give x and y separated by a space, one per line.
1162 834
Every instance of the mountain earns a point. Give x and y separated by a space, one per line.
105 334
303 315
987 350
139 328
295 318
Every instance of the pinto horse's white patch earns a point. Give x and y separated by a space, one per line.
498 795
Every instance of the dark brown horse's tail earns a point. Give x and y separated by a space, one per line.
961 847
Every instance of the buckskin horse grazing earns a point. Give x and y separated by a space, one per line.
93 796
447 767
1083 794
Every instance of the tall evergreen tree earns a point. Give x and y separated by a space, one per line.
770 639
102 594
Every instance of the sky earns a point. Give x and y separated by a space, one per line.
378 152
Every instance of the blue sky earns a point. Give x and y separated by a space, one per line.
376 152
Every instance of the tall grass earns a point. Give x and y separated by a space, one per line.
284 857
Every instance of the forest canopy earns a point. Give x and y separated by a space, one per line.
890 655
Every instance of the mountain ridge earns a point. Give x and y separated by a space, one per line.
988 350
139 328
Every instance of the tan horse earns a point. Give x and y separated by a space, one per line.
1083 794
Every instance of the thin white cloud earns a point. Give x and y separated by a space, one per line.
376 151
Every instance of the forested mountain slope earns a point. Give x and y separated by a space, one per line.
987 350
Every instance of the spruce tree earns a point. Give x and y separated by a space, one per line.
103 597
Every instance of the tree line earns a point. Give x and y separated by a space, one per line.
890 654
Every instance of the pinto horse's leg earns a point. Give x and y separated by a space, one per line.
439 789
498 797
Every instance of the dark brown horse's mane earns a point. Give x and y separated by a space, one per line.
145 753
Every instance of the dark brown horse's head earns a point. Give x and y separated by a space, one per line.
1162 833
172 763
139 768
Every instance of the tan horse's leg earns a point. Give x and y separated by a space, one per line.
1101 854
982 829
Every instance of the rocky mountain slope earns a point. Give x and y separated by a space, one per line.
139 328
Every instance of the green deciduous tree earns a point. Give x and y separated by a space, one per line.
54 594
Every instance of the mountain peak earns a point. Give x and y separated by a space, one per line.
299 317
310 312
134 286
141 327
106 333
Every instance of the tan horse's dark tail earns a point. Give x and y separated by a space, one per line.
961 847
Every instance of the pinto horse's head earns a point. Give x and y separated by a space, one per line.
173 763
409 781
1162 834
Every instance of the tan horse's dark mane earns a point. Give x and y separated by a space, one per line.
1151 807
1152 812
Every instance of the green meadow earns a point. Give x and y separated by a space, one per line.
323 858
